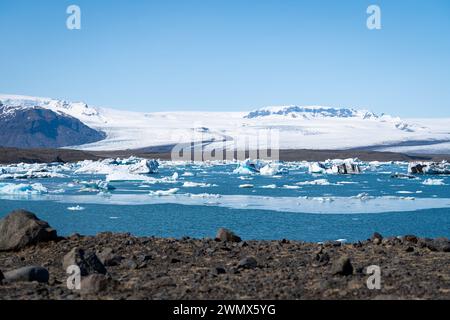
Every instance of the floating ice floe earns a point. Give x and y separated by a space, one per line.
95 185
286 186
126 176
189 184
144 166
429 167
434 182
403 176
204 195
249 166
132 165
246 186
270 186
187 174
22 189
76 208
160 193
337 166
318 182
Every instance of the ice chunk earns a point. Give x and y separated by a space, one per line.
247 185
95 185
272 169
249 166
317 168
270 186
321 182
434 182
144 166
290 187
189 184
22 189
161 193
125 176
76 208
429 167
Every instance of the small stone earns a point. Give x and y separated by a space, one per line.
410 238
377 238
95 283
109 258
248 263
1 277
87 261
219 270
175 260
130 264
227 235
27 274
342 266
409 249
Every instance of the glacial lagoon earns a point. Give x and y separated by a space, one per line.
196 198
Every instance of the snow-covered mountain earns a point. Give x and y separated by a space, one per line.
307 112
295 127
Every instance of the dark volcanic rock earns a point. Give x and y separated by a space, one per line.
108 257
342 266
377 238
248 263
227 235
293 270
22 228
439 244
87 261
43 128
31 273
1 277
95 283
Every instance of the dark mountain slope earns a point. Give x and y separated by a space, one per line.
42 128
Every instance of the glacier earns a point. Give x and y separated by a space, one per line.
298 127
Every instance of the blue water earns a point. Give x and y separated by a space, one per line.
396 206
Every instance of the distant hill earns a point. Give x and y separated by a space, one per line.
36 127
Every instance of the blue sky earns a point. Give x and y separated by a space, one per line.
230 54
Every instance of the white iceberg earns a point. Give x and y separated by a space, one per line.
434 182
246 186
189 184
76 208
160 193
318 182
22 189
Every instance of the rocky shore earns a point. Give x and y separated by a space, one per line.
34 261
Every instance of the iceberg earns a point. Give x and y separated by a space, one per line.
144 166
131 165
321 182
348 166
76 208
272 170
245 186
95 185
161 193
434 182
249 166
318 168
189 184
429 167
22 189
126 176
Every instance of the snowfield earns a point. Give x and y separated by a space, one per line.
290 127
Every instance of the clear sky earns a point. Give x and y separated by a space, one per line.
230 54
